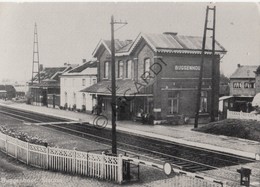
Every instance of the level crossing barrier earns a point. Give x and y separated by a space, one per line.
182 177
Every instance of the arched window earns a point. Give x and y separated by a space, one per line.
129 69
120 69
74 98
106 68
84 98
204 102
66 97
147 64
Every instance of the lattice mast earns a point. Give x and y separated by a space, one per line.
36 63
210 24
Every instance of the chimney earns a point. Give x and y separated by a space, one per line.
84 61
171 33
238 65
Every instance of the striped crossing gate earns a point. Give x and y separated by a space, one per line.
198 178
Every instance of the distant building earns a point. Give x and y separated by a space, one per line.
157 74
48 90
242 81
75 80
244 84
7 91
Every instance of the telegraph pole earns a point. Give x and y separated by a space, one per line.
201 71
113 84
213 78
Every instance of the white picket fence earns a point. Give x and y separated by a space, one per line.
88 164
242 115
70 161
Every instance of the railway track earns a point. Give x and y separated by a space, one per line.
184 157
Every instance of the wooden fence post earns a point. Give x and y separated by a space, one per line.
28 152
120 169
74 161
47 157
103 164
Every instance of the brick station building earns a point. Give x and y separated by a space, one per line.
156 74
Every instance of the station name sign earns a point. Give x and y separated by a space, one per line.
187 68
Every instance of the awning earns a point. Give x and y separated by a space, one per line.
256 100
123 88
49 83
224 98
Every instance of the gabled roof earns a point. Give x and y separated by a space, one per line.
164 43
87 68
120 46
47 83
244 72
174 43
51 72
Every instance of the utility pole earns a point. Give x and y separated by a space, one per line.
201 71
213 72
113 84
213 84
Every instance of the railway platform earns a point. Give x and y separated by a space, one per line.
181 134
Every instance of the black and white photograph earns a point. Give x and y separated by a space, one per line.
138 93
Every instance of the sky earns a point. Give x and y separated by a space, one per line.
69 32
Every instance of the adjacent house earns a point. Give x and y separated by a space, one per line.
243 88
7 91
156 74
75 80
47 92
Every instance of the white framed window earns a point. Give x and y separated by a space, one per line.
237 84
84 98
147 64
120 69
74 98
83 82
249 85
94 81
66 97
129 69
173 102
204 102
106 69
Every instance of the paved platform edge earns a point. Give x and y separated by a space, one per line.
45 113
163 137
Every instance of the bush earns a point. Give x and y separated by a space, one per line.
247 129
74 107
65 106
22 136
83 108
